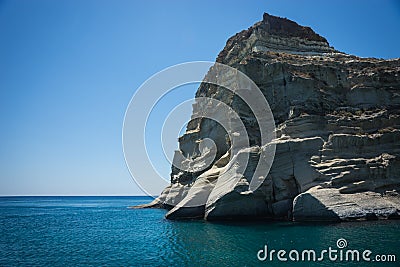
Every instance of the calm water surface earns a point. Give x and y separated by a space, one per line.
94 231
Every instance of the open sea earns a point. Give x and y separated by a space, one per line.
102 231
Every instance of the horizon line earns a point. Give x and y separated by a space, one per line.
77 196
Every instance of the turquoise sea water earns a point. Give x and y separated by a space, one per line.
102 231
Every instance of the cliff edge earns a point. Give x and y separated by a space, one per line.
337 120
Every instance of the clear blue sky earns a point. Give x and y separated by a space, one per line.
69 68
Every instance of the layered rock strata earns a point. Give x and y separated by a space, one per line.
337 139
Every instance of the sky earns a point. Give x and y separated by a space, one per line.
69 68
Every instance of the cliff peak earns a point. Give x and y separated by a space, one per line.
288 28
275 34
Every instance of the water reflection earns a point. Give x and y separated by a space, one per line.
227 244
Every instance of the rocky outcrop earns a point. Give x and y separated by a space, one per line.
337 120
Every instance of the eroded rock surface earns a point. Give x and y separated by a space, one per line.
337 140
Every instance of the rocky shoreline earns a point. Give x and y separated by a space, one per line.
337 120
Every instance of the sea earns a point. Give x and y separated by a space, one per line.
103 231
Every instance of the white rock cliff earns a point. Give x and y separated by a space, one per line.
337 140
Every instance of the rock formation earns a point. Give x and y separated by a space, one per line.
337 120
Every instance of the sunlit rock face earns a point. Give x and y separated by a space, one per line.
337 139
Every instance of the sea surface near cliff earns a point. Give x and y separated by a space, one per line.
103 231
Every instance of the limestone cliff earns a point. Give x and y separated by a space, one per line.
337 139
